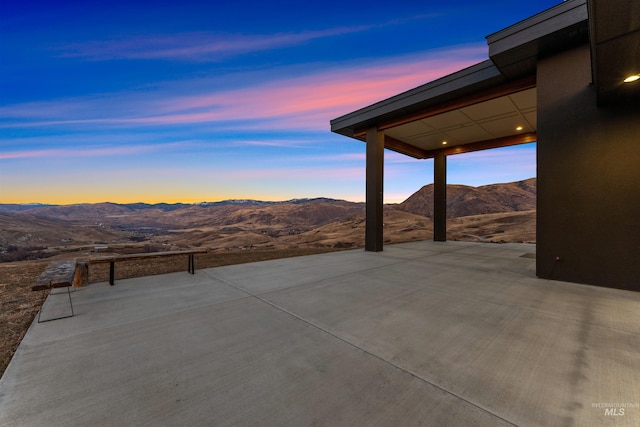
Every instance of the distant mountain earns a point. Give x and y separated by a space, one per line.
265 216
117 208
22 206
243 202
464 200
165 207
80 210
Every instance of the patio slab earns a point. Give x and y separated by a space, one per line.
424 333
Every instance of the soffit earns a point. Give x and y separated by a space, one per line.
488 120
615 48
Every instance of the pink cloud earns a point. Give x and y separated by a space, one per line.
310 101
306 102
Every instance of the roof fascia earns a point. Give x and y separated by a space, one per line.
516 49
540 25
418 153
463 82
506 141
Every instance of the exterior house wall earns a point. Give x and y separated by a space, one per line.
588 214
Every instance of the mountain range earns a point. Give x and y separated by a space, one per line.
490 212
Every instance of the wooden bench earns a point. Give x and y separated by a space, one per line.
112 259
58 274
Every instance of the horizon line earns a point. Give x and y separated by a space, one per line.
35 204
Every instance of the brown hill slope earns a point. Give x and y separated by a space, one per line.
31 230
464 200
25 236
496 227
291 215
399 226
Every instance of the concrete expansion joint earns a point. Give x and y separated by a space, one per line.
352 345
385 361
227 282
379 267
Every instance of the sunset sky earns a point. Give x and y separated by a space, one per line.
204 101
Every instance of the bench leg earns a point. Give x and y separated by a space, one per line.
112 272
57 318
70 303
192 266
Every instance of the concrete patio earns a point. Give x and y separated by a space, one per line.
425 333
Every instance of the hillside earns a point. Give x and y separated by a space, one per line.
498 212
464 200
24 235
496 227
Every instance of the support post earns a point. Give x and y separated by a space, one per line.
112 273
440 198
374 192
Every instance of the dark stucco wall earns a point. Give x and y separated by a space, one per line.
588 179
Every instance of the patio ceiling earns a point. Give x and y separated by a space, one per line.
492 120
500 116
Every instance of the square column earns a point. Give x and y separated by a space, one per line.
440 198
374 193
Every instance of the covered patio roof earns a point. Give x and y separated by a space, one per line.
493 103
475 106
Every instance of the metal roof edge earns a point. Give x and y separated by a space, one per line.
545 23
468 78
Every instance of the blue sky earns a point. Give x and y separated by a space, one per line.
193 101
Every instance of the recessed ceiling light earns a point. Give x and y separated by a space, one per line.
632 78
519 128
444 142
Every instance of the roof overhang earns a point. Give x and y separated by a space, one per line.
463 108
482 76
496 117
491 104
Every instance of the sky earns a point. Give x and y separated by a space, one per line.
195 101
